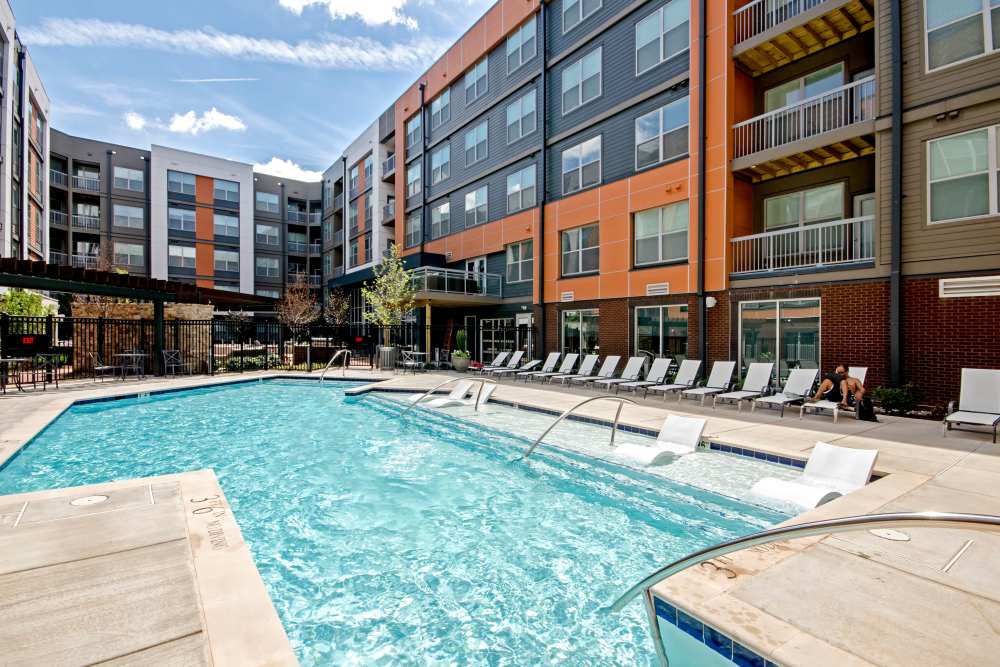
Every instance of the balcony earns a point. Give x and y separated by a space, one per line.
298 247
59 258
295 215
315 218
88 222
389 212
389 167
338 202
337 271
83 261
58 218
772 33
315 280
316 248
827 128
457 287
58 178
88 183
827 245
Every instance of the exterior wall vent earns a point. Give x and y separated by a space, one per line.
566 296
977 286
657 289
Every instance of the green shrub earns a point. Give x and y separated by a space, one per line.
460 340
898 400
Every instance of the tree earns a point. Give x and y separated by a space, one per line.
297 309
337 308
390 296
24 303
105 304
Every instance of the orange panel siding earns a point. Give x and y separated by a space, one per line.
204 224
204 263
204 190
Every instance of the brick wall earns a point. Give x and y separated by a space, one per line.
144 311
614 334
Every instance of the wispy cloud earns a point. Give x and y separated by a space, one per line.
335 52
135 121
287 169
371 12
191 122
238 79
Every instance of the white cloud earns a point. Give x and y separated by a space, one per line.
287 169
371 12
135 121
240 79
335 52
213 119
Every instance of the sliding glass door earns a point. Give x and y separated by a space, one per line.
783 332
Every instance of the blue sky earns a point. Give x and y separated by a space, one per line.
249 80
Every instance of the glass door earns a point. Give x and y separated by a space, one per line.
496 335
785 333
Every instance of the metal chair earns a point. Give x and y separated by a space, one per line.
101 368
46 365
173 361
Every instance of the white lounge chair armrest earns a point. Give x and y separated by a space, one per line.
803 495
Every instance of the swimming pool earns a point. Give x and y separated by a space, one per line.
388 539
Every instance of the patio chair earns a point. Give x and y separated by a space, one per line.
678 436
527 366
798 387
101 369
409 362
608 369
498 362
631 373
718 381
859 372
458 392
565 368
511 364
585 370
547 367
477 399
978 403
686 376
656 375
756 382
830 472
173 361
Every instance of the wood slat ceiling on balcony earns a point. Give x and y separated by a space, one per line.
799 41
817 157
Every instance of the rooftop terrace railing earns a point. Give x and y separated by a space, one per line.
825 244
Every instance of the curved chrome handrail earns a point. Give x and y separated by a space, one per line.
347 362
479 393
614 427
824 527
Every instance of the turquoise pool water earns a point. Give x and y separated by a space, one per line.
392 540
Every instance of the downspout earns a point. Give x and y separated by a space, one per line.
344 195
896 214
539 254
424 181
702 100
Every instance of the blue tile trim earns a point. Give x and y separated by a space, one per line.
719 642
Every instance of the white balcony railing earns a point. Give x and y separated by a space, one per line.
298 247
389 165
83 261
87 183
315 218
60 258
316 248
389 211
57 177
58 218
86 222
847 105
759 16
456 281
821 245
295 215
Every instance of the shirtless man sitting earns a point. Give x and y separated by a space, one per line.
838 386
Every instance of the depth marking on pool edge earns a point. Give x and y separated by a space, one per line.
212 509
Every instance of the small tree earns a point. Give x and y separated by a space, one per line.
390 296
19 302
105 304
337 308
297 309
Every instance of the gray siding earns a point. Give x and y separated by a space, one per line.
497 263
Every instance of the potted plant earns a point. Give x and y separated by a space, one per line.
460 357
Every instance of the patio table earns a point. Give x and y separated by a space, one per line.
133 360
5 371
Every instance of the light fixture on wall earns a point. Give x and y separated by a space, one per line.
710 301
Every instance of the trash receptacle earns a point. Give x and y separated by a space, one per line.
387 358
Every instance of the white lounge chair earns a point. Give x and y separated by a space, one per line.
631 373
656 375
459 391
979 401
498 362
755 383
678 436
859 372
527 366
586 370
830 472
607 370
483 396
547 367
511 364
718 382
686 376
798 387
565 368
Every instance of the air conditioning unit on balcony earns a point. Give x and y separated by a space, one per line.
566 296
977 286
657 289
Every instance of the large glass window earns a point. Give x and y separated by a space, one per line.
521 45
413 133
413 179
180 219
180 183
352 253
441 164
440 220
581 165
804 87
477 81
575 11
129 179
962 169
368 247
227 260
580 250
521 117
129 254
226 225
352 217
661 234
129 216
268 234
520 261
521 189
412 229
804 207
785 333
662 35
580 330
267 201
959 30
368 164
476 208
441 109
476 143
661 134
662 331
268 267
354 178
180 256
581 81
227 190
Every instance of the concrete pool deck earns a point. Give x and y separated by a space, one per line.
847 599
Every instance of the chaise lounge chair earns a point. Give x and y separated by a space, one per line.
548 367
830 472
527 366
631 373
678 436
979 401
511 364
718 381
586 370
458 392
859 372
565 368
656 375
798 387
482 395
607 371
499 361
755 383
686 376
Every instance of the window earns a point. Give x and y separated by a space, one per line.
804 207
180 183
268 267
661 331
412 229
521 45
368 247
475 206
581 165
441 109
413 133
959 30
661 35
129 216
328 230
661 234
180 256
129 254
129 179
476 143
270 293
368 210
180 219
575 11
440 220
520 261
226 190
354 176
267 234
581 81
661 134
785 333
521 117
962 170
580 330
521 189
413 179
441 164
267 201
352 255
227 260
352 217
368 169
476 81
327 264
580 250
812 84
226 225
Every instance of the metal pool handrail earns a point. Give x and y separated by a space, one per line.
479 392
824 527
614 428
347 362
